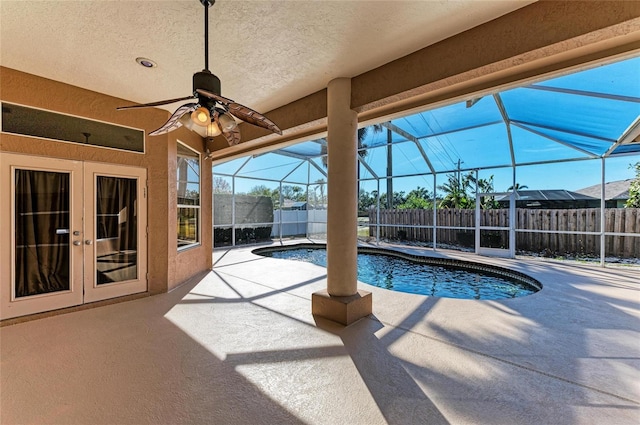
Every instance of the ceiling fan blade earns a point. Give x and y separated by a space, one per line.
214 96
174 120
160 103
253 117
243 112
233 136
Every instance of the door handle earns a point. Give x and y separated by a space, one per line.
77 243
88 242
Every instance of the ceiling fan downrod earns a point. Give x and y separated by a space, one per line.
205 79
207 4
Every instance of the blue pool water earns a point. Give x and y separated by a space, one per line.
400 274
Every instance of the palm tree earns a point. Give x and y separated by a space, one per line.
517 187
483 186
362 147
455 190
320 186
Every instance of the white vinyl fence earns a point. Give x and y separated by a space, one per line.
299 222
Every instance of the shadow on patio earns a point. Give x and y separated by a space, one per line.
239 345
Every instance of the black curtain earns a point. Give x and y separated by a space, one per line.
41 232
116 217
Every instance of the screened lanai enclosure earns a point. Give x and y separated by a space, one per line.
550 168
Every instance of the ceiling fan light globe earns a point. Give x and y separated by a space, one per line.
201 117
186 121
213 130
227 122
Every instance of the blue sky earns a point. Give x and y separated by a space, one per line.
569 117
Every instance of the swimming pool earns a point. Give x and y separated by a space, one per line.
421 275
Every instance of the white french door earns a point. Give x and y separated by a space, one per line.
115 231
72 232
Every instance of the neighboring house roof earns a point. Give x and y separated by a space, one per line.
616 190
547 195
291 204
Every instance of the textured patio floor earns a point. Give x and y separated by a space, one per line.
239 346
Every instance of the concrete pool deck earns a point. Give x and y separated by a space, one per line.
239 345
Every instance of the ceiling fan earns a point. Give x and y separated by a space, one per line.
210 111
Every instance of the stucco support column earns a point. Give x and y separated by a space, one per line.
342 301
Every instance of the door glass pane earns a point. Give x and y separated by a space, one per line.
116 230
41 232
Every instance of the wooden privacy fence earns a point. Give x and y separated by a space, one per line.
546 226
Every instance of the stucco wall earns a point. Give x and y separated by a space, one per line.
167 268
198 258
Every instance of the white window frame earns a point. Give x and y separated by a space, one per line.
195 207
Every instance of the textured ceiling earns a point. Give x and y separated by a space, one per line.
267 53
